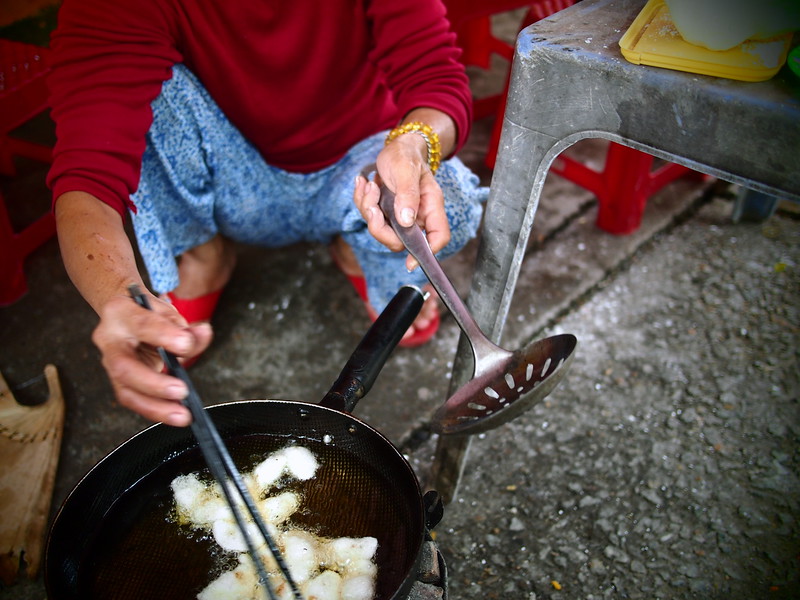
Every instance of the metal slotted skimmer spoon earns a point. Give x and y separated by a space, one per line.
504 384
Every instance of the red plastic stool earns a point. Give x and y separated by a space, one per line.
627 180
536 12
471 21
623 186
23 95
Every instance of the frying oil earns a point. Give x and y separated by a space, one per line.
142 551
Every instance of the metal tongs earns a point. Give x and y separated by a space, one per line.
223 468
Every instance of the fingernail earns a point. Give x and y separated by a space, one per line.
407 217
183 343
178 419
176 391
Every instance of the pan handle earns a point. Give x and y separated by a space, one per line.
373 350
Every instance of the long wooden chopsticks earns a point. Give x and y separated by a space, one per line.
223 468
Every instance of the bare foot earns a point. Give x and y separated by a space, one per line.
348 263
205 268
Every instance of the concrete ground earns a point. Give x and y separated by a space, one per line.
666 464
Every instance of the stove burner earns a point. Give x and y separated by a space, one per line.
431 583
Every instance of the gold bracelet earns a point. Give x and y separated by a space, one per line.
428 134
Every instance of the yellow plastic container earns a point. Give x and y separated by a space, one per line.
652 39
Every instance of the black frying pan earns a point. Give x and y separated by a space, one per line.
112 538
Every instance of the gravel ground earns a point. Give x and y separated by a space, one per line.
666 465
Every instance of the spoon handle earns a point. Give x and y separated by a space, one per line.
417 244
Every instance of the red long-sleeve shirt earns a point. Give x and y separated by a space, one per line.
303 80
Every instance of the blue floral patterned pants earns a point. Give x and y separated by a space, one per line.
201 177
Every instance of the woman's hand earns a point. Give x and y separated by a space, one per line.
127 336
99 258
403 167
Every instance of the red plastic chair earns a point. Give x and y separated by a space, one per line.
471 21
627 179
23 95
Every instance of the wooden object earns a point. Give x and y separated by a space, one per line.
30 441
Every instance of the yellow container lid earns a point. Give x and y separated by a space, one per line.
652 39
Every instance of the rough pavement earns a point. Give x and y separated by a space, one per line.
666 465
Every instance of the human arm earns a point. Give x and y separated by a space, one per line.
416 51
108 64
100 261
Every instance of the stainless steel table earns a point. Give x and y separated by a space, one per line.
569 81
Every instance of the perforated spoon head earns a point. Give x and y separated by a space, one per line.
508 388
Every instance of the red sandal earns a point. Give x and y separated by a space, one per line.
419 337
198 309
195 310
